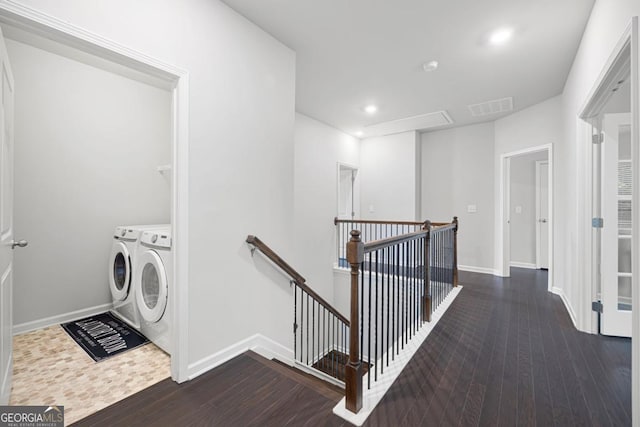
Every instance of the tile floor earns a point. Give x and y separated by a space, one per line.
51 369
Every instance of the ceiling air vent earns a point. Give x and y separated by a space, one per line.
491 107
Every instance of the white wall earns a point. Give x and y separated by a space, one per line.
523 196
241 118
457 171
318 149
388 177
87 146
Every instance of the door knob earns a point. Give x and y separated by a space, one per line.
20 243
542 220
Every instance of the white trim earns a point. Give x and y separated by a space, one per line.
567 305
502 242
37 22
60 318
610 74
635 143
539 163
180 231
5 387
372 397
529 265
481 270
258 343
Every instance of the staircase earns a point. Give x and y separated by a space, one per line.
328 390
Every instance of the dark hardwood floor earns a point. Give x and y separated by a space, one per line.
506 353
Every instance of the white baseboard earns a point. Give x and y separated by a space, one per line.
262 345
269 349
481 270
60 318
517 264
567 305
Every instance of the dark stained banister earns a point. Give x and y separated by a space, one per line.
295 276
396 283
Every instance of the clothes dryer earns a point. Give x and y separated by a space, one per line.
152 277
121 264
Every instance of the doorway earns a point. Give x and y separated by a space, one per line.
526 210
107 52
347 191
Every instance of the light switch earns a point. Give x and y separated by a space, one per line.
472 208
371 209
518 209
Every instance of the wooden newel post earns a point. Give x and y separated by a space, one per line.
426 307
455 252
353 370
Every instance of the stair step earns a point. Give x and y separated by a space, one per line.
333 364
328 390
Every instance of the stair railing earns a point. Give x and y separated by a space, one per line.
396 284
320 332
370 230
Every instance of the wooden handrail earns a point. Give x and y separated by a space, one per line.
295 276
390 241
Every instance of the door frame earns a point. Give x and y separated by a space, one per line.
625 53
354 169
539 164
504 250
37 22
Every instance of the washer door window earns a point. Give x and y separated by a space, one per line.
119 271
152 292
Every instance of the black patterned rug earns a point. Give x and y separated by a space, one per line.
104 335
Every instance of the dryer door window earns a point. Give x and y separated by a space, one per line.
119 271
151 294
150 286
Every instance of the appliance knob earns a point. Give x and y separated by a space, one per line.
123 232
154 238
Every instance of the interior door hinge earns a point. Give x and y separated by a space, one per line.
597 222
597 138
596 306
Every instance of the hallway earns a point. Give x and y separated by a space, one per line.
505 353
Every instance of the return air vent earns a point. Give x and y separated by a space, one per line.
421 122
491 107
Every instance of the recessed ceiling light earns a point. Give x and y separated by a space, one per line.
430 66
359 134
500 36
371 109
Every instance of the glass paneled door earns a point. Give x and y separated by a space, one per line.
616 231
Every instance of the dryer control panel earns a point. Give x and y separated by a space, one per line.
156 239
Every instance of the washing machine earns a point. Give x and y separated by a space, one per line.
121 264
152 275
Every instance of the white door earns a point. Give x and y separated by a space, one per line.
6 225
616 230
346 184
542 214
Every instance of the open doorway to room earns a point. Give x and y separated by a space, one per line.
609 120
610 124
96 168
347 191
529 211
526 214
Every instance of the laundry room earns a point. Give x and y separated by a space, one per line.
92 151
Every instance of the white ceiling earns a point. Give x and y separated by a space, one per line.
351 53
